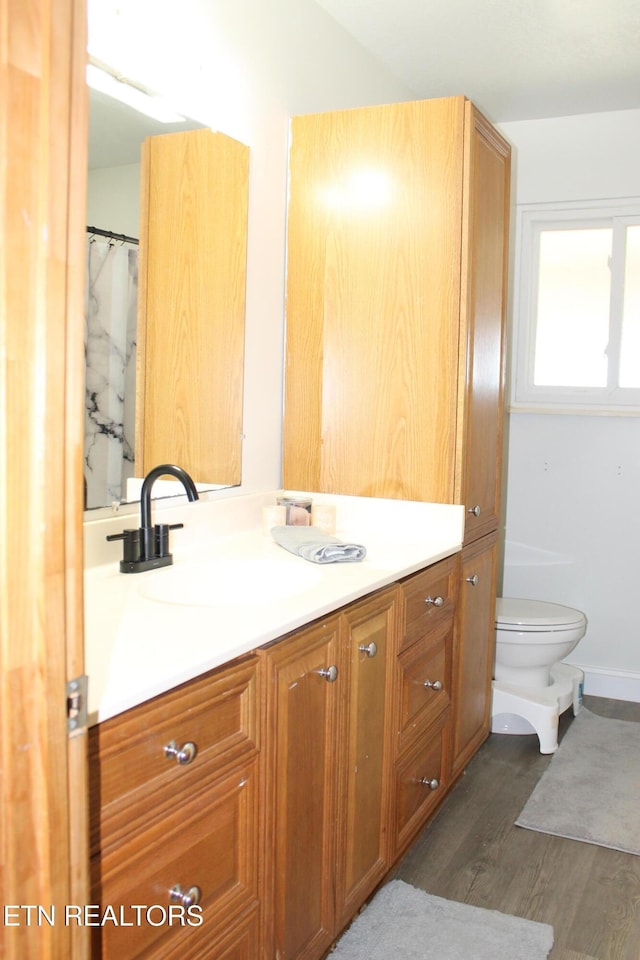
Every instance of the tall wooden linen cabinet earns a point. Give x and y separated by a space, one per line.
395 320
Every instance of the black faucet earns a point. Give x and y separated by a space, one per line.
147 546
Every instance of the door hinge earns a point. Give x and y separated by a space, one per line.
77 717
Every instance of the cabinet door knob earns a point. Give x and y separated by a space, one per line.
433 684
183 754
436 601
330 673
185 897
432 783
370 649
474 510
474 580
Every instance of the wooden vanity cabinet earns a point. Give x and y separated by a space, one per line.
175 803
473 650
329 759
316 763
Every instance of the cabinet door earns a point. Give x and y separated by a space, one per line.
303 710
484 286
367 637
474 644
373 300
190 344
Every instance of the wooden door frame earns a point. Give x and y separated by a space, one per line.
43 146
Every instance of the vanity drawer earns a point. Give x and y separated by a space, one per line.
415 791
129 764
240 942
425 685
209 842
429 600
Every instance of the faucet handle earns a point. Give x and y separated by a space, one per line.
131 551
162 537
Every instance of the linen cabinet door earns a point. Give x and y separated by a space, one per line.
484 286
368 634
474 645
304 680
373 300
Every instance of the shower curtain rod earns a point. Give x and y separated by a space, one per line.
112 236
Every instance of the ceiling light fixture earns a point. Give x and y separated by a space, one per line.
102 78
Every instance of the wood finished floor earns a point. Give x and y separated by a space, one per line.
472 852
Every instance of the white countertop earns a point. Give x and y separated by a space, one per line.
139 642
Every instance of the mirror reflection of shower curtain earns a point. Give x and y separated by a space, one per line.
110 354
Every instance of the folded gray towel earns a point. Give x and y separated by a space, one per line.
315 545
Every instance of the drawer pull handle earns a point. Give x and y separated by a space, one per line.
474 580
433 684
474 510
183 754
433 784
436 601
330 673
370 649
187 897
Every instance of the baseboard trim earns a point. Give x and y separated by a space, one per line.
615 684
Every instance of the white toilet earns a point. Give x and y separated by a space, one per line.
531 686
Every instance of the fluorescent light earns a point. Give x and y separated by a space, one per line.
134 96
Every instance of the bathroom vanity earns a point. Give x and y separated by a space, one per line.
267 755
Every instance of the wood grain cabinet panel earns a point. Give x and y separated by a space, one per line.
421 781
368 631
424 694
425 685
474 645
131 774
209 843
429 598
331 772
158 825
483 319
191 304
241 942
302 706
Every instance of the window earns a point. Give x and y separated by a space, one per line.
577 311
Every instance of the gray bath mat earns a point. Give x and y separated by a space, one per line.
590 789
404 922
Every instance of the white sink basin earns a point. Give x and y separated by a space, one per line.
228 582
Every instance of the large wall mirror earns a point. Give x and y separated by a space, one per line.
166 262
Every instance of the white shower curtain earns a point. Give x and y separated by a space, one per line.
110 352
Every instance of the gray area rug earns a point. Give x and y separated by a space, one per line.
404 923
590 790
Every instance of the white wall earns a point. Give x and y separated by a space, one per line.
573 482
244 67
113 199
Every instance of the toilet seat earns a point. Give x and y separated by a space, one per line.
516 615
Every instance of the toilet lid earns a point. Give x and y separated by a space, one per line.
516 613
